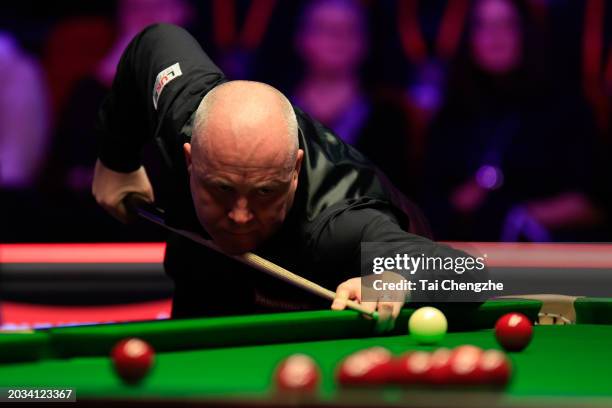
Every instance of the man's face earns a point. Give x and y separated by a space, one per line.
240 200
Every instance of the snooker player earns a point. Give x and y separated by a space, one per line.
249 171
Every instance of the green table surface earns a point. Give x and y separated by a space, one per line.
233 358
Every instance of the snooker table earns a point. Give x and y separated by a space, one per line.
229 361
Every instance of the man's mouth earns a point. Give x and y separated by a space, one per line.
239 232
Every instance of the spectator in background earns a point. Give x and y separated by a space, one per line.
509 153
75 145
235 32
597 89
132 17
333 41
429 33
23 117
74 151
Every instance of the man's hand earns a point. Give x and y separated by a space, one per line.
351 289
110 188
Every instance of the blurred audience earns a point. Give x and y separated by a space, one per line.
597 88
494 115
70 171
429 34
509 152
71 50
236 31
333 42
75 143
24 124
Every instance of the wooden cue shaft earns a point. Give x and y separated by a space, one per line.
259 263
264 265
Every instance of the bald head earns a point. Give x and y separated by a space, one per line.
252 120
244 161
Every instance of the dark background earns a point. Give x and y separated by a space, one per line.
518 151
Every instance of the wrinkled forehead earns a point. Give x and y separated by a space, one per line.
237 156
242 173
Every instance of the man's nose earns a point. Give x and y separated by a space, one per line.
240 212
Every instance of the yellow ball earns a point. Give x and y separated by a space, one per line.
427 325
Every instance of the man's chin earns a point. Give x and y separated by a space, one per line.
236 246
236 250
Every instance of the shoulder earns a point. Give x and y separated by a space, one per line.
325 142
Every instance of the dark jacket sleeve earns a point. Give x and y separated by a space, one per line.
161 69
339 235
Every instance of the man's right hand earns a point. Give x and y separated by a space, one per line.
110 188
351 289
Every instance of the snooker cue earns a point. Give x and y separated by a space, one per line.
135 204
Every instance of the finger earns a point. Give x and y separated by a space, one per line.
392 309
131 202
342 295
369 307
122 213
397 308
118 211
385 321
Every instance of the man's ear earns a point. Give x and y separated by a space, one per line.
298 161
187 151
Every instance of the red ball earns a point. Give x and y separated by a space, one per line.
464 365
439 371
513 331
132 359
496 367
412 368
372 366
297 373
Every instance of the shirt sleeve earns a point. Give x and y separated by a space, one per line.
340 235
159 71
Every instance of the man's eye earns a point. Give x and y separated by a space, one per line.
264 191
225 188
